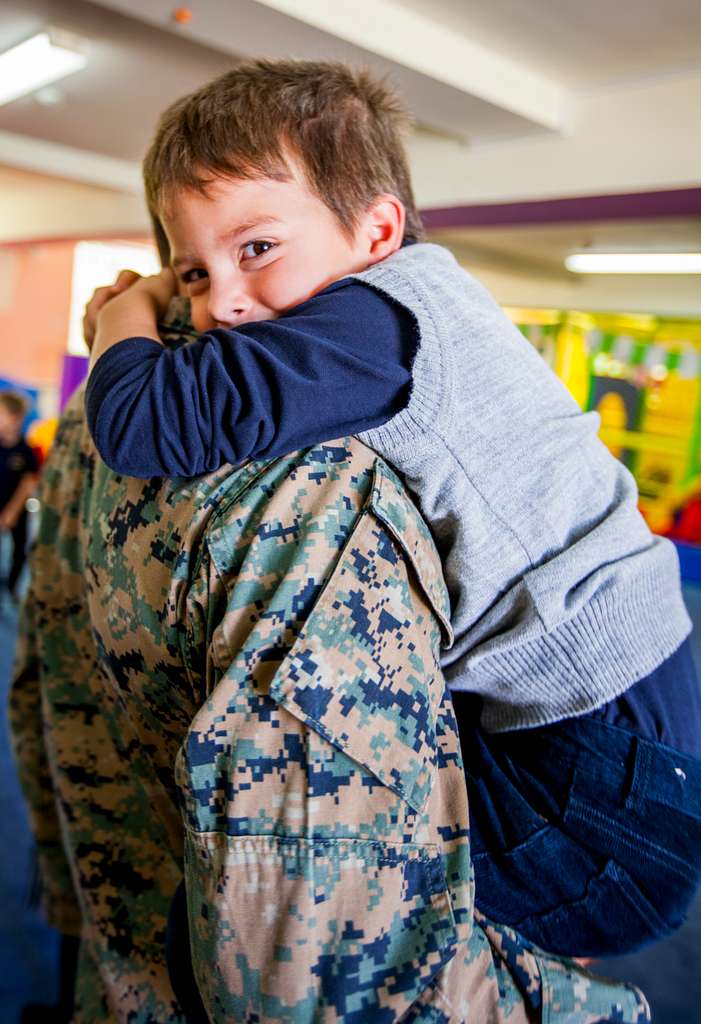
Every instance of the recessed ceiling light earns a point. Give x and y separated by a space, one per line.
36 62
634 263
50 96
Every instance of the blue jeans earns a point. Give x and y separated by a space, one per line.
586 837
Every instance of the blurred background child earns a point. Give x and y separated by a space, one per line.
18 476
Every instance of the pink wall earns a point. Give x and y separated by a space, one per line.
35 297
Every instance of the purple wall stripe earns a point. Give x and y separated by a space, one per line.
683 202
73 372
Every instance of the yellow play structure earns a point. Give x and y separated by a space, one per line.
643 377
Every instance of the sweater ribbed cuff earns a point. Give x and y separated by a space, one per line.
594 657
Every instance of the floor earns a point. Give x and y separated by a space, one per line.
28 949
669 973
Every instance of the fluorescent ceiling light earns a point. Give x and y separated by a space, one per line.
634 263
36 62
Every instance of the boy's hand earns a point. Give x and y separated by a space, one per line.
133 312
125 279
8 519
146 297
159 288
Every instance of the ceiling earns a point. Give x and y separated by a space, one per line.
582 45
540 250
111 106
467 68
515 74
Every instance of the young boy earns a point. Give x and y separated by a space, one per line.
285 198
18 469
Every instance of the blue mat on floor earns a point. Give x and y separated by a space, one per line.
28 947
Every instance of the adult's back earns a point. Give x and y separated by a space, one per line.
234 681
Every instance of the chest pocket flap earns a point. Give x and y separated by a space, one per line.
363 672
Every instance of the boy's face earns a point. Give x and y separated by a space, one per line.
251 249
10 426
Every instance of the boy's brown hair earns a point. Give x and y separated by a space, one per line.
343 126
15 402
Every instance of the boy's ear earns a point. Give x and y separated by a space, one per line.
384 227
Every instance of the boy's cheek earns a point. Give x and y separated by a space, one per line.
201 319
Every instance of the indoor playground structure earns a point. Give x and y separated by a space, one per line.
642 375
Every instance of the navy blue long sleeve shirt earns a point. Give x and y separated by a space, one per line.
337 364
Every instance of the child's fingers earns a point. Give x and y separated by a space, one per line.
99 297
167 284
161 287
125 279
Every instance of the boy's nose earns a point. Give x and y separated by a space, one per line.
225 315
228 305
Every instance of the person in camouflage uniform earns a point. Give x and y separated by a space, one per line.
233 681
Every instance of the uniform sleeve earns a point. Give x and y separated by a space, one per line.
336 365
306 778
326 858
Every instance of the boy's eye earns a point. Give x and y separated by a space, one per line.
256 248
191 276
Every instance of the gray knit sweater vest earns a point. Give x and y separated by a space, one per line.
561 597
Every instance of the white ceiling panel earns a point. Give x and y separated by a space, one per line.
583 44
111 106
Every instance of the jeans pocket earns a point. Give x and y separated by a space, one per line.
612 917
532 878
659 845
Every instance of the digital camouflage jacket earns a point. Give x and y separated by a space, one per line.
235 680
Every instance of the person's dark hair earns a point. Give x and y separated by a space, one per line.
160 239
15 402
343 126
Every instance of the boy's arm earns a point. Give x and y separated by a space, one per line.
337 364
131 308
12 511
24 490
